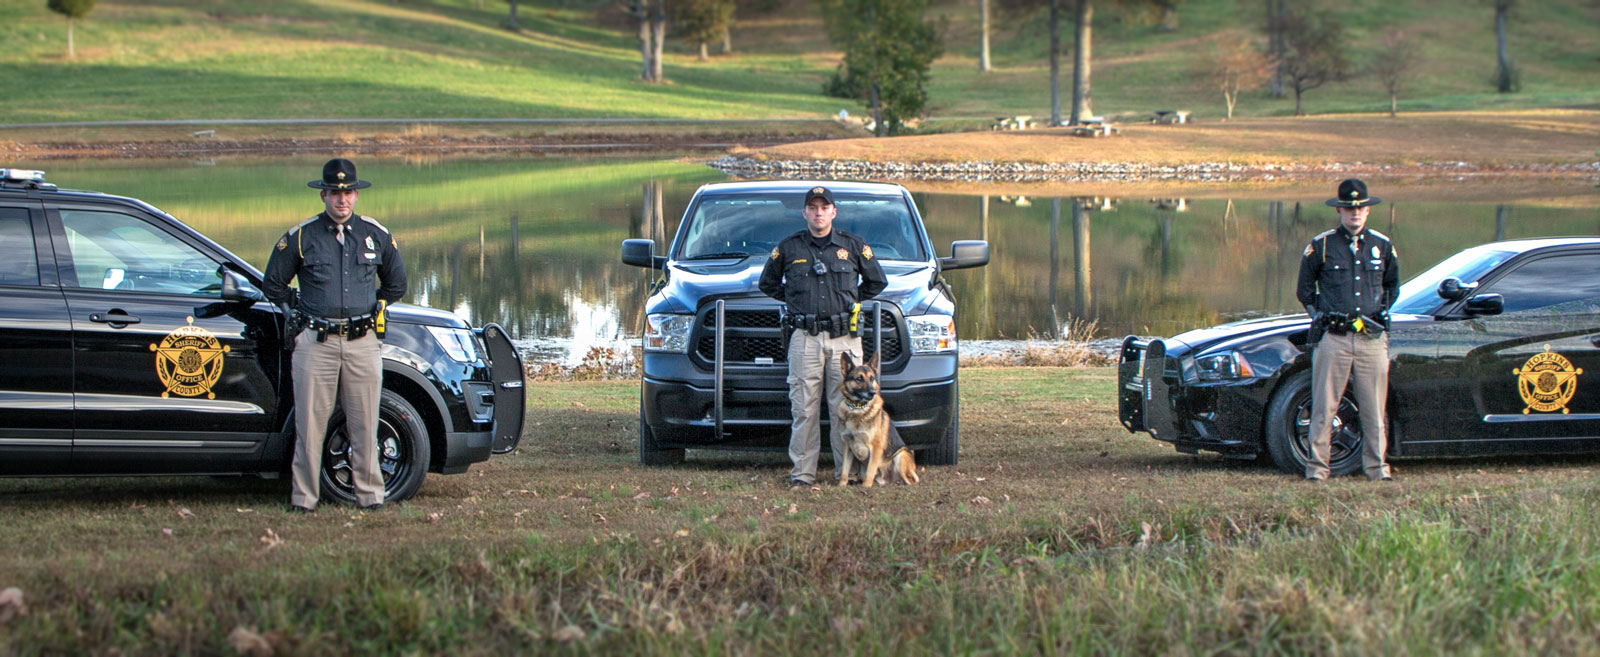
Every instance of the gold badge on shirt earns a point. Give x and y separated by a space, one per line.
842 254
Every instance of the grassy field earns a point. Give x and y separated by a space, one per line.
184 59
1059 533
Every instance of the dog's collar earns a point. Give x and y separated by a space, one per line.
852 404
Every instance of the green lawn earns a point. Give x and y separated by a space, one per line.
1059 533
166 59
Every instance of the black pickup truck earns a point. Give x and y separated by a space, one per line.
714 367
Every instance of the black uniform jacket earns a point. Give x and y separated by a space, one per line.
1351 274
337 281
790 275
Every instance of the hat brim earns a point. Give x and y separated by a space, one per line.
318 184
1336 203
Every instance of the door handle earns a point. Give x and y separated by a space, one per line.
114 317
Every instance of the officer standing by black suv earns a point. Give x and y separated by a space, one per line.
340 258
1348 279
821 275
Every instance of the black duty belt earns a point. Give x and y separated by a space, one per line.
835 325
351 328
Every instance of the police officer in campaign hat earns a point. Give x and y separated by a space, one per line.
349 269
821 275
1348 279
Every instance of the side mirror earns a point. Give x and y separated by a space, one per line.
235 287
642 253
965 254
1452 289
1486 304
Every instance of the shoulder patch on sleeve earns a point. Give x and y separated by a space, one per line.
866 251
775 253
1307 254
283 242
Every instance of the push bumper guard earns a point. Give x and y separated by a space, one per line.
1144 396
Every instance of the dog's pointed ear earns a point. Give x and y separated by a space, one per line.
873 362
846 363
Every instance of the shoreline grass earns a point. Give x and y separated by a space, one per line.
1059 533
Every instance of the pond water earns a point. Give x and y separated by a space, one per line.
532 243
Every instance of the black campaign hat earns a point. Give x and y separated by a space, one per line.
339 174
819 192
1353 194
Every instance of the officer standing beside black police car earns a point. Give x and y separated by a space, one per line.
349 269
1348 279
821 275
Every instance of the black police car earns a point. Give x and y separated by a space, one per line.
714 367
1492 351
130 344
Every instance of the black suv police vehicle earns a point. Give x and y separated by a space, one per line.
714 367
130 344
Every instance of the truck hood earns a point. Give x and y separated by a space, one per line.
705 280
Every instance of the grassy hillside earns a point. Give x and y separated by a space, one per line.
164 59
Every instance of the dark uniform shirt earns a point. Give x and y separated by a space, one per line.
1351 274
791 277
337 281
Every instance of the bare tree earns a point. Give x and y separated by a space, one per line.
1238 66
1080 63
1275 45
1505 74
652 17
983 40
1313 51
1397 61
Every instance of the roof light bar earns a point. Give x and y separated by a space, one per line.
22 175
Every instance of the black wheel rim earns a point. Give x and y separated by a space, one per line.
1345 442
394 450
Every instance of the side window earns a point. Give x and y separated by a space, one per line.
19 264
1550 281
113 251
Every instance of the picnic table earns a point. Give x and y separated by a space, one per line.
1170 116
1019 122
1094 126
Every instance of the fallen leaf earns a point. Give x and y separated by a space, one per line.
434 517
980 500
270 539
793 508
598 518
642 496
682 533
11 605
569 634
1147 536
245 510
246 641
184 512
166 531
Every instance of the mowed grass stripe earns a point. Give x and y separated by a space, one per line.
1059 533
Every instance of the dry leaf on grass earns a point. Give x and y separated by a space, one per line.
980 500
270 539
246 641
11 605
569 634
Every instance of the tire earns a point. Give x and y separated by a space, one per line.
403 447
649 453
948 450
1287 428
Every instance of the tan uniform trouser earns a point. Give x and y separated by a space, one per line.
1362 362
813 369
319 370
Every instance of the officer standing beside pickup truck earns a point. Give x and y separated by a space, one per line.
349 269
1348 279
821 275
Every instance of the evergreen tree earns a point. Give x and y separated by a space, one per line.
888 50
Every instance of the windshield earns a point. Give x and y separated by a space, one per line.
1420 295
739 225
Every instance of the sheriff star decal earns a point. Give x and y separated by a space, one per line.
1547 382
189 361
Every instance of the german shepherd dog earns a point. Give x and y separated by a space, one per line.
869 435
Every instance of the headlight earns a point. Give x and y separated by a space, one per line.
1222 367
932 334
667 333
457 343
